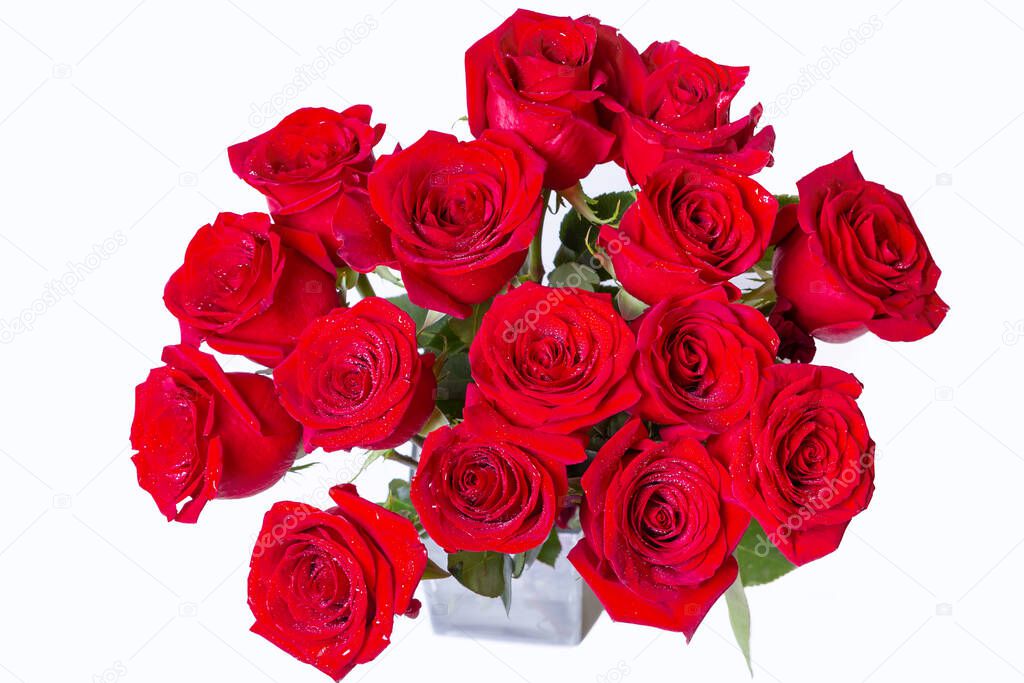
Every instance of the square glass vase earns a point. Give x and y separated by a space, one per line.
551 606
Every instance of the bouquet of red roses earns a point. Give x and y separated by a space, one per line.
654 389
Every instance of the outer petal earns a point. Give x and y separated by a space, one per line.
393 534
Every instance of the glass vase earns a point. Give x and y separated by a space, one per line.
549 605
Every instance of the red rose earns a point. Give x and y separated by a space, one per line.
540 76
690 228
202 434
461 215
679 107
325 586
306 163
698 361
803 462
487 485
659 530
557 360
856 261
243 291
356 379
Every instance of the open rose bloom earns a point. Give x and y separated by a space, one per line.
649 395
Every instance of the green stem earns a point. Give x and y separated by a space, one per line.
762 297
364 287
536 257
404 459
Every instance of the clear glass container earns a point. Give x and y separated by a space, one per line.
549 605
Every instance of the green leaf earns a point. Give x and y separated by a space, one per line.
579 236
436 420
551 549
629 306
483 573
765 262
452 381
519 563
371 457
760 561
786 199
574 230
506 593
398 502
418 314
433 571
574 275
299 468
465 329
739 618
388 275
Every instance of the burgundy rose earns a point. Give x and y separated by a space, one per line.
356 378
691 227
306 164
488 485
698 361
856 260
680 107
659 530
244 291
541 76
556 360
803 462
201 433
325 586
461 215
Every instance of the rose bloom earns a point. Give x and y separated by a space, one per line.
542 76
674 103
691 227
487 485
803 462
461 215
356 379
201 433
698 361
553 359
854 260
304 166
325 586
659 530
244 291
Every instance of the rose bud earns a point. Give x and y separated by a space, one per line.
356 379
794 344
698 361
678 106
556 360
487 485
692 227
461 215
855 260
540 76
803 462
659 530
325 586
306 163
244 291
201 433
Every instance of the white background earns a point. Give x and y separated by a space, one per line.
114 118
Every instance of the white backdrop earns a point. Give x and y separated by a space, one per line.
114 118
